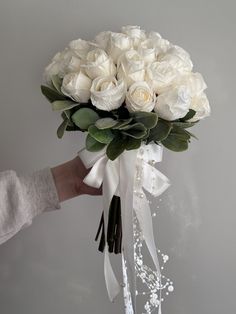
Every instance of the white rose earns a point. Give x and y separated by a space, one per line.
147 50
194 81
159 75
81 47
98 63
53 68
161 44
102 39
140 97
154 35
69 63
201 105
135 32
77 86
174 103
117 44
107 93
63 62
131 67
178 58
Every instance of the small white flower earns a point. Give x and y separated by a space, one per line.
173 103
131 67
140 97
98 63
135 32
107 93
201 105
77 86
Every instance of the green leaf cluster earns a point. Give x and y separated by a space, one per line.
116 134
118 130
173 134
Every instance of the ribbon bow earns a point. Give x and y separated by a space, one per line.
128 176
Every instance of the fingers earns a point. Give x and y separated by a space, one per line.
86 189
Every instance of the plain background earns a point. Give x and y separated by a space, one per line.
54 266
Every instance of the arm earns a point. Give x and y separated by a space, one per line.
24 197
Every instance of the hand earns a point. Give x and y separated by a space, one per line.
69 177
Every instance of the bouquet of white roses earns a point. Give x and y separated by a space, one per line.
130 91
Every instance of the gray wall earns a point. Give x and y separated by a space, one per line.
53 266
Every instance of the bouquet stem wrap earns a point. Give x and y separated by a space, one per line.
128 176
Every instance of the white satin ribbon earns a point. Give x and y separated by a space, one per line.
128 176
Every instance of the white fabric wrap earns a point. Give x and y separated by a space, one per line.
128 176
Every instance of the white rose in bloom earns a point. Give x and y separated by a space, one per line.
69 63
63 62
201 105
140 97
81 47
107 93
117 44
131 67
135 32
147 50
53 68
98 63
102 39
174 103
77 86
178 58
161 44
194 81
159 75
154 35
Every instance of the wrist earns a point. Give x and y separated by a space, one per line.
66 180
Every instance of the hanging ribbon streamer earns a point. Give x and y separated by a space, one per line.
128 176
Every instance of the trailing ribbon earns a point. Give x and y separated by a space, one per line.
128 176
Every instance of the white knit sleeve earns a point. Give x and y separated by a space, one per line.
24 197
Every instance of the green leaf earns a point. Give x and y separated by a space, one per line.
192 135
59 105
180 133
148 119
184 125
116 147
57 82
160 131
175 144
136 130
72 128
103 136
92 145
132 143
66 116
147 135
51 94
61 129
105 123
189 115
122 124
84 117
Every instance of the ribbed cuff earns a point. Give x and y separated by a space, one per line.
40 187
